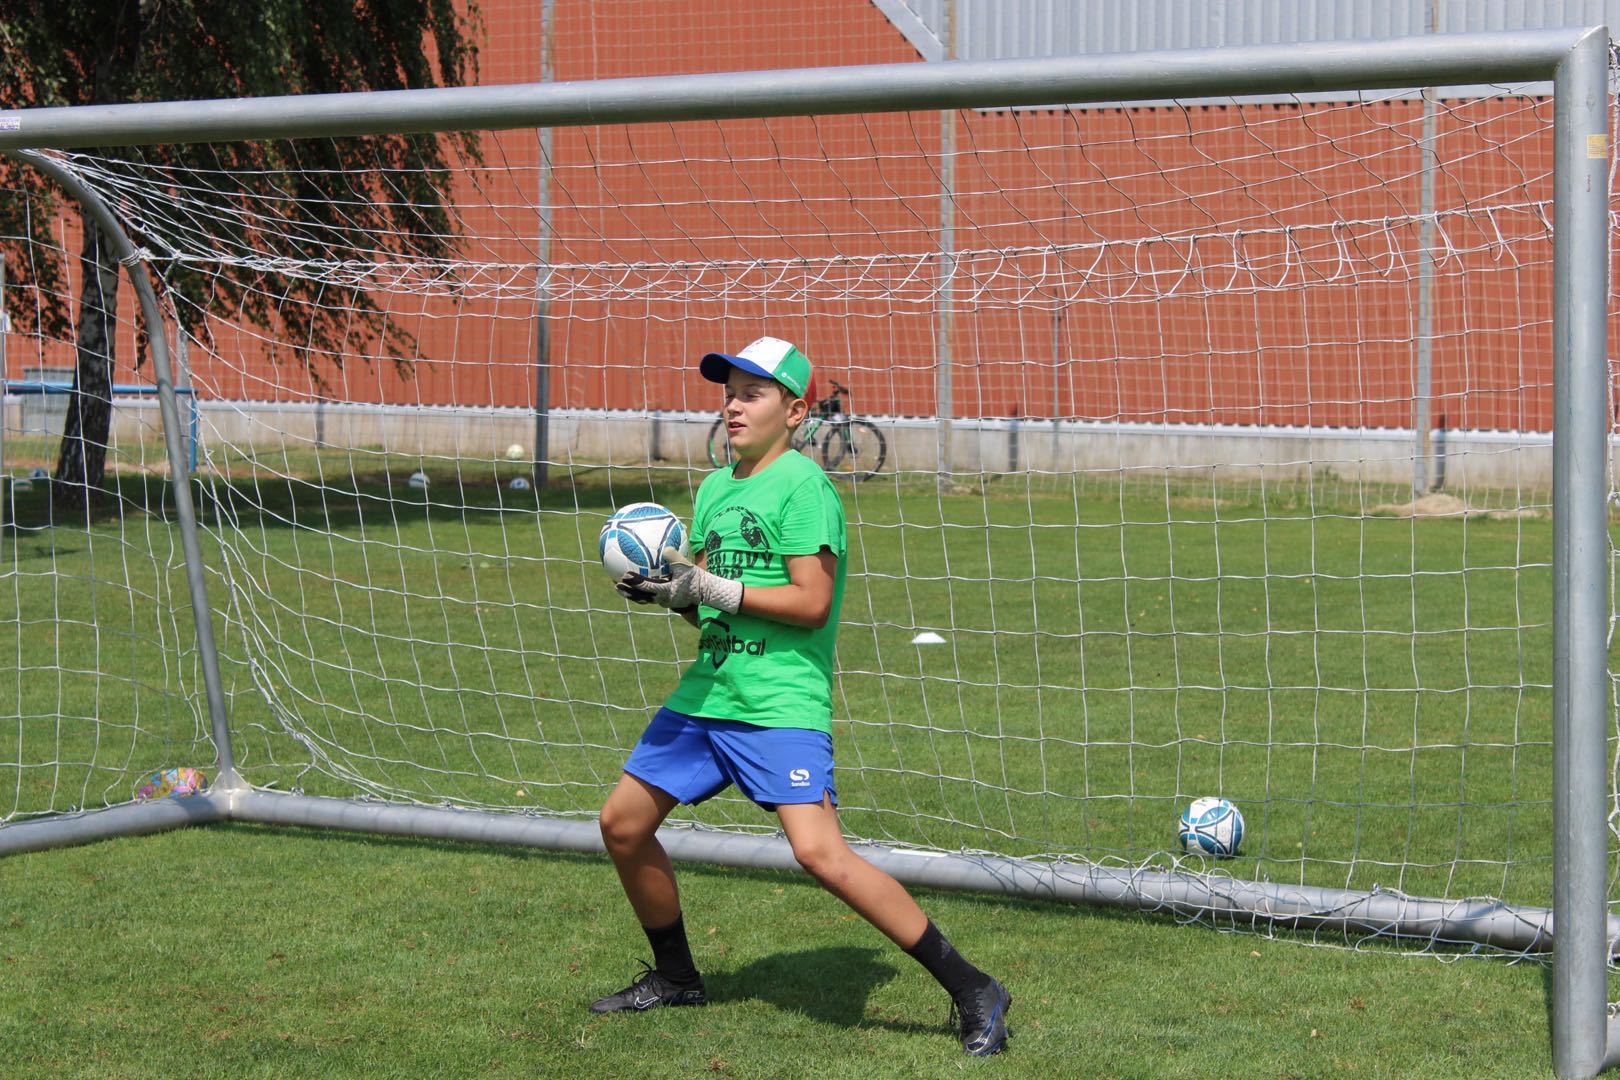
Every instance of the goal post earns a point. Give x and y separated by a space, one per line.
392 634
1585 1039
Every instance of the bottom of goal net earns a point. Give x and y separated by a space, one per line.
1186 895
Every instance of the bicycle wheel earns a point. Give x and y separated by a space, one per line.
853 451
719 445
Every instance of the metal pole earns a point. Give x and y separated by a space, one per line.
202 614
182 383
1431 59
127 819
1423 390
1057 380
1216 900
944 405
542 300
1580 565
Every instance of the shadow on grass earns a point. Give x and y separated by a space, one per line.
925 895
828 985
348 500
858 969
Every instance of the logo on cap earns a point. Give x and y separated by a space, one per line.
768 357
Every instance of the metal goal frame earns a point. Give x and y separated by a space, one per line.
1585 1039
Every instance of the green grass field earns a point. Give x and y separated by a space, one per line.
244 951
1372 690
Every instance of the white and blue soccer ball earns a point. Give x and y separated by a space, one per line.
635 537
1212 826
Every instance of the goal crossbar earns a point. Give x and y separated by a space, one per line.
1438 60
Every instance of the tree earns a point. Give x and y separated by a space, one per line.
85 52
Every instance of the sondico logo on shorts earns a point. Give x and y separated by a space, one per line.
799 777
721 644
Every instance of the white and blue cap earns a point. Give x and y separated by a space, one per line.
770 358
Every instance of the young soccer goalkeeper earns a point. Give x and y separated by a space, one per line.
755 708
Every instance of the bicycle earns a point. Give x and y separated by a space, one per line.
850 449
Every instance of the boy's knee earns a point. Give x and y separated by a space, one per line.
819 859
620 831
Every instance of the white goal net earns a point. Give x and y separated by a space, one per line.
1216 461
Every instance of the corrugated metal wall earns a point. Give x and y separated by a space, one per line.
1006 29
999 29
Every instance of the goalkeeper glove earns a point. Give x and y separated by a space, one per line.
685 587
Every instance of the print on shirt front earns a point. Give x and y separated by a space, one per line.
749 668
719 643
733 563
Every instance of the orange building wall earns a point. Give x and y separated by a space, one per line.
1104 328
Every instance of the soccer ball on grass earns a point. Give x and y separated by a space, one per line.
1211 826
635 537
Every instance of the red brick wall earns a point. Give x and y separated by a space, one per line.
1083 319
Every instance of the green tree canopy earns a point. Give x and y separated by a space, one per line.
382 193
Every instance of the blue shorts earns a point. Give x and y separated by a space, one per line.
694 758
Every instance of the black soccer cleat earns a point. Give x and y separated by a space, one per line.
983 1016
650 991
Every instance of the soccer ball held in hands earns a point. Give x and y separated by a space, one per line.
635 536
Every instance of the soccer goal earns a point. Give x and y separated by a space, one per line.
1246 418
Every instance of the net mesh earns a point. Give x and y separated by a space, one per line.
1179 494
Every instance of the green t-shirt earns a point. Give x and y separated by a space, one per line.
761 671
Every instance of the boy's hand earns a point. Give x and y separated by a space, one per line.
686 587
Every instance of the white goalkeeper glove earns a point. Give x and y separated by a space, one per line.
685 587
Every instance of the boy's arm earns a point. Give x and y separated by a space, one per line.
805 601
807 598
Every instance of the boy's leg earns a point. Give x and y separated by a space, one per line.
629 823
819 846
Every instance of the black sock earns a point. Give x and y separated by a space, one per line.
944 963
672 956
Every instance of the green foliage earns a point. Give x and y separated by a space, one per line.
390 197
